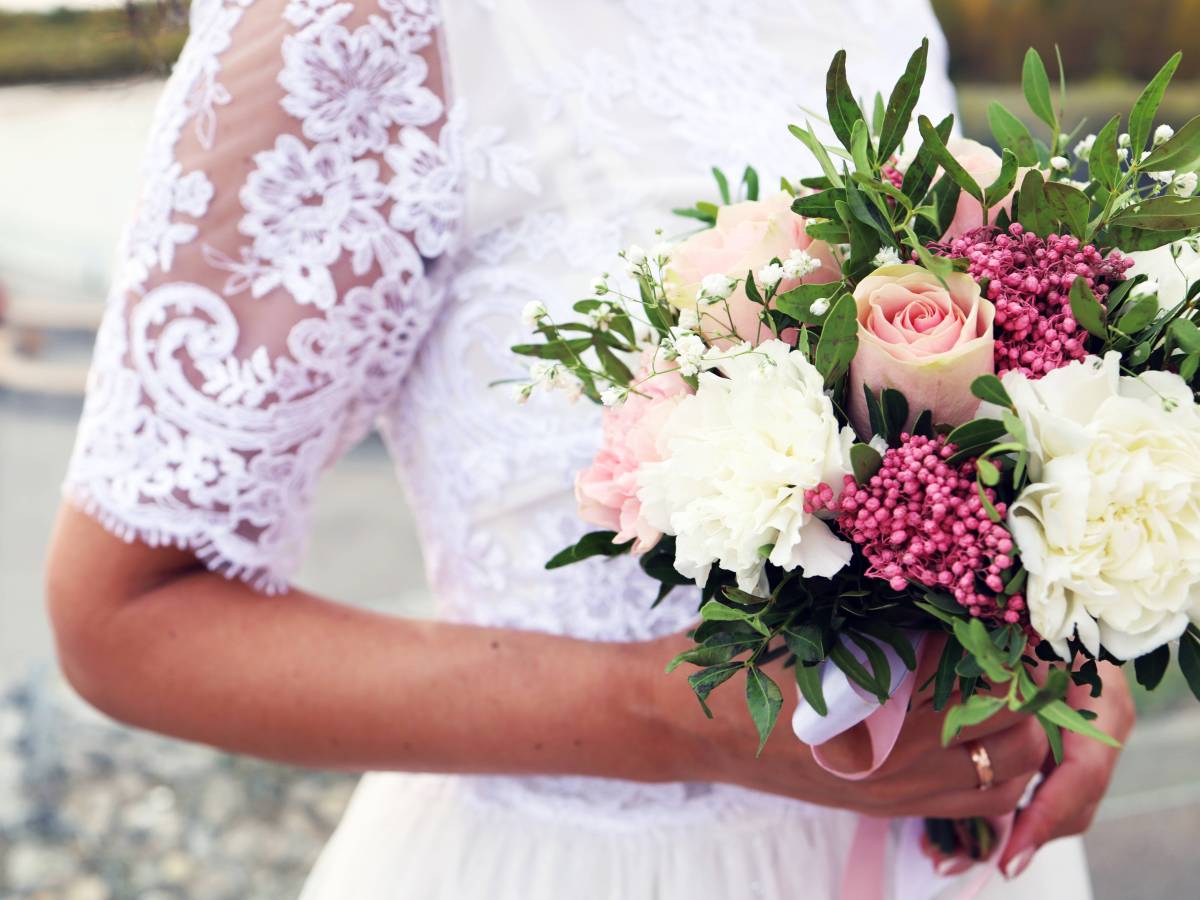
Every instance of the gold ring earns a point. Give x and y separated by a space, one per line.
983 764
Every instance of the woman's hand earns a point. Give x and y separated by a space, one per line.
920 777
1067 800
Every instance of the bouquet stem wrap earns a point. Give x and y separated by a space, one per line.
878 841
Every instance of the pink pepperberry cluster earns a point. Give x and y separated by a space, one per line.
920 519
1029 281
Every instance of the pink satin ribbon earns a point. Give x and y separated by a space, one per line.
865 876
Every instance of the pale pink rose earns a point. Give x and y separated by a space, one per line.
982 164
924 340
746 237
607 490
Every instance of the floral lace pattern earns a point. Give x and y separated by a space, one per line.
360 252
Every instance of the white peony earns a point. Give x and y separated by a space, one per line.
736 459
1109 526
1173 267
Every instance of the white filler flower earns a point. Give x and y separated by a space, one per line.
737 457
1109 527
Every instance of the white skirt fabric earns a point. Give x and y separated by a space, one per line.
428 837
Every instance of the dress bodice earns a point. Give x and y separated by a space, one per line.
346 206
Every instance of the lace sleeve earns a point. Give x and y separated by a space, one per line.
272 285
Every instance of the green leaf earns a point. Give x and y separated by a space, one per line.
1189 658
1186 335
839 100
704 681
902 102
717 649
972 437
881 669
1137 314
1069 205
806 137
893 637
1053 737
991 389
655 313
1141 117
1103 165
1087 309
1011 133
865 461
806 642
1131 239
1181 152
856 671
1065 717
798 302
764 700
611 363
1034 213
974 637
860 152
943 156
1162 214
716 611
1036 86
1000 188
839 339
722 185
560 350
819 205
595 543
1150 668
808 679
699 211
921 170
988 473
750 180
895 413
943 680
976 709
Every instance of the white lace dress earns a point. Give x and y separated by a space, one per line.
346 205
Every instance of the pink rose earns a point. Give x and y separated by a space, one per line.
982 164
607 490
926 340
746 237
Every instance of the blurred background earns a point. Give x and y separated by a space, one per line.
92 811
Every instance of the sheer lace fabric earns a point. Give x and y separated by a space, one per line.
345 207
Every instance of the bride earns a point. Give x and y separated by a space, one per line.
346 206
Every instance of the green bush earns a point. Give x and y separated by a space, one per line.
69 45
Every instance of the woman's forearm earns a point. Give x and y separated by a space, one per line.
302 680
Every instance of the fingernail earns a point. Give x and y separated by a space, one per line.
952 865
1018 863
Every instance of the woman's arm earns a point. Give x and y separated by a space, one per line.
153 639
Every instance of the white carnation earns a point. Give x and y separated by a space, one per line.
1109 526
737 458
1172 268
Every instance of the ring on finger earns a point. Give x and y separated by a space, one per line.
983 764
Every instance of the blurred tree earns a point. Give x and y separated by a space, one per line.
1096 37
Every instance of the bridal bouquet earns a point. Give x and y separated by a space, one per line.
933 390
